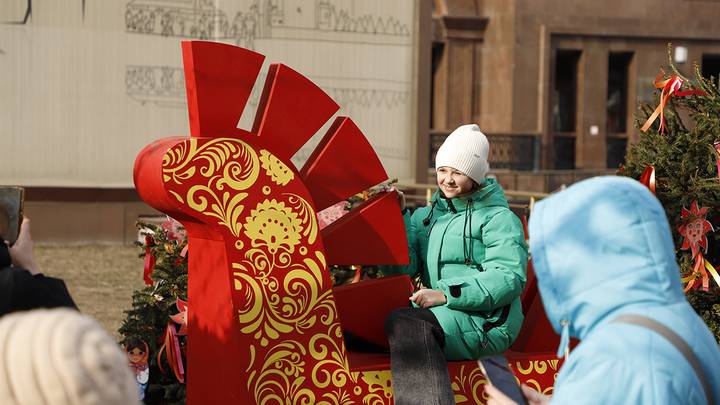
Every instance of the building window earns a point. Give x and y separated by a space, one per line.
565 92
617 107
617 92
616 148
564 108
711 67
564 152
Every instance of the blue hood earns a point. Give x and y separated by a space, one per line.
600 248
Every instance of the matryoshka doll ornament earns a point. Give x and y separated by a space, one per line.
137 352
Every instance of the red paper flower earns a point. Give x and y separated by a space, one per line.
181 317
694 228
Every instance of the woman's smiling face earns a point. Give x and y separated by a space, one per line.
453 183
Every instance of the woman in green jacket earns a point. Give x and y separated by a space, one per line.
469 250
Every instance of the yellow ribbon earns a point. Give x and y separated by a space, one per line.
713 272
700 271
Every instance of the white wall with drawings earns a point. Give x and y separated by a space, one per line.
84 85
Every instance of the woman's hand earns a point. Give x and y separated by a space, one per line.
22 251
533 397
498 398
426 298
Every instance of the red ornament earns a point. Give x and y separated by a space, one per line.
694 228
181 317
647 178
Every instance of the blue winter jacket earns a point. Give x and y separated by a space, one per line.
600 249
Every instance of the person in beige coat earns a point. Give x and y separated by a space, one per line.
61 357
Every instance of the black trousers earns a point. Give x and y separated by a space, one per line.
417 361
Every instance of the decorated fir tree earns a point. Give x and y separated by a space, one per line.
677 157
156 322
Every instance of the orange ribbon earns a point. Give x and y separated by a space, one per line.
647 178
670 87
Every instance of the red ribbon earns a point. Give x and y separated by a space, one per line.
171 348
647 178
670 87
149 261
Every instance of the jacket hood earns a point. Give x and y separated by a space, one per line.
600 248
490 194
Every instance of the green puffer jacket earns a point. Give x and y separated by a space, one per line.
473 249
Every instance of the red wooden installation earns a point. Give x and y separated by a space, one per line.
263 326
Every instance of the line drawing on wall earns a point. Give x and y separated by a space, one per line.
265 19
161 85
165 86
309 33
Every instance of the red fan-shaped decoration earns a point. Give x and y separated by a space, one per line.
343 164
291 110
382 240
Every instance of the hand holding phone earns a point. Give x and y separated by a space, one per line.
498 374
22 252
11 212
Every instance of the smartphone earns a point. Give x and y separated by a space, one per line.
11 212
497 373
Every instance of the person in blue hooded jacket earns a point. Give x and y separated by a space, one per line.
603 252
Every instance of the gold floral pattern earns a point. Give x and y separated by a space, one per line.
281 291
536 366
278 171
379 386
273 225
269 307
227 166
467 386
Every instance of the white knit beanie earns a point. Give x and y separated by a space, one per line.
60 357
466 150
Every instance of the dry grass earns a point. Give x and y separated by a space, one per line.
101 279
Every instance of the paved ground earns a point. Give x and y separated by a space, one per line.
101 279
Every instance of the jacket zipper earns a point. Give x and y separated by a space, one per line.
430 229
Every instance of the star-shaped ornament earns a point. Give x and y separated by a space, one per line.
694 228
